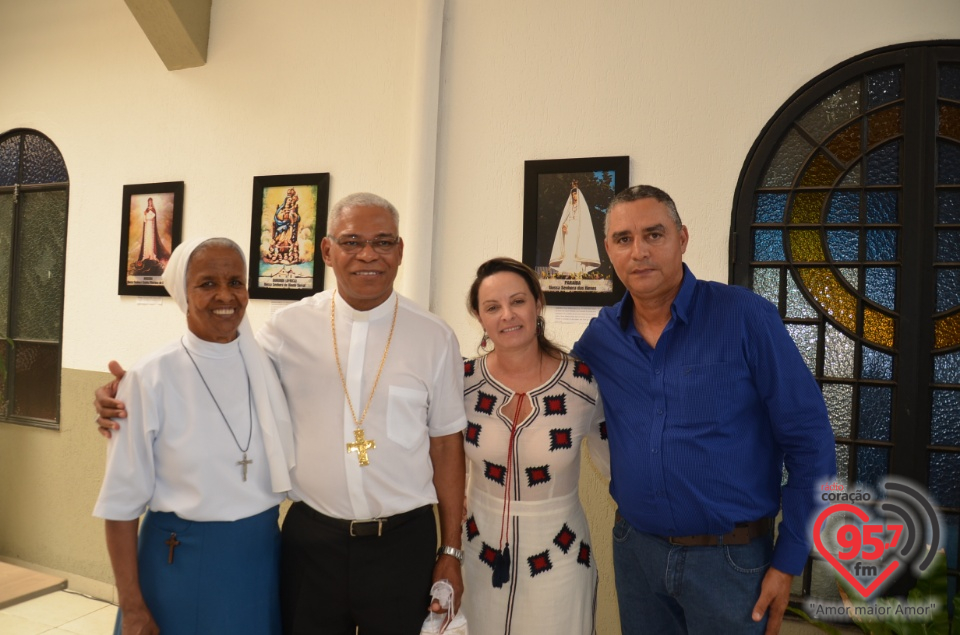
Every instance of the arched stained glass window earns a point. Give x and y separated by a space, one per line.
33 244
847 217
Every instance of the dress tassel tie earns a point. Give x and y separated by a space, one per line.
501 562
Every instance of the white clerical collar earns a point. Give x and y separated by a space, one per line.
382 310
215 350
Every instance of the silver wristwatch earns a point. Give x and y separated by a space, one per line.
445 550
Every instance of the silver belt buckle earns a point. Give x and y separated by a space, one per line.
379 522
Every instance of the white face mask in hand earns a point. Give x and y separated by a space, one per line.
443 623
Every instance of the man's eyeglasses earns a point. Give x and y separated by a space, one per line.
353 245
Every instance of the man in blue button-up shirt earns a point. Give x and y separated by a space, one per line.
706 399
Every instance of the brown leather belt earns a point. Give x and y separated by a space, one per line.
742 534
365 527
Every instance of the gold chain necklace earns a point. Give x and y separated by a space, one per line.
361 444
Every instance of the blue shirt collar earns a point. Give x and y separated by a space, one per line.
680 308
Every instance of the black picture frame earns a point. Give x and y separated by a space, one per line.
154 211
572 266
288 221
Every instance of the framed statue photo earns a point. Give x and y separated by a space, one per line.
289 218
149 232
564 206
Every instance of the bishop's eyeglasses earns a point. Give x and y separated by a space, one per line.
380 244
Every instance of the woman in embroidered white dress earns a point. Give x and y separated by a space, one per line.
529 565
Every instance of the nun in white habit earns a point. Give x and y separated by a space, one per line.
206 452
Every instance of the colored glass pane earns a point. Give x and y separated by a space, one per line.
944 484
852 177
770 208
950 82
883 165
950 122
948 207
6 234
948 288
766 283
878 328
792 153
851 275
797 305
838 352
807 206
805 337
872 465
820 173
846 145
875 413
843 472
945 424
946 331
948 245
948 163
875 364
42 162
883 87
946 368
882 207
881 245
881 286
832 111
835 300
884 125
768 245
839 400
844 207
38 368
805 246
9 160
844 244
42 246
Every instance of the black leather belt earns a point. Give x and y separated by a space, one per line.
742 534
365 526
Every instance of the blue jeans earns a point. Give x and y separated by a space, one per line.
668 589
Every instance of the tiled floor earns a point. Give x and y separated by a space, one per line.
59 613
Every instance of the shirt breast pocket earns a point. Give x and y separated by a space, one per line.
407 416
704 391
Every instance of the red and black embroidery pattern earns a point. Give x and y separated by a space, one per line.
565 538
469 366
488 555
472 530
485 403
561 439
539 563
603 430
472 434
494 472
584 556
538 475
555 405
582 371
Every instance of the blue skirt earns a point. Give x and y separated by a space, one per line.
225 576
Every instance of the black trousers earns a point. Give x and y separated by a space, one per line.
331 583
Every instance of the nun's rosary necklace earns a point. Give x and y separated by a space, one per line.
244 462
361 444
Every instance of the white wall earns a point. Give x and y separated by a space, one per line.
301 86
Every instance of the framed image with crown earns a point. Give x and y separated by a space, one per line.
149 232
564 206
289 218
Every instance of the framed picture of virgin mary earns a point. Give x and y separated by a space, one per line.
564 206
289 218
149 232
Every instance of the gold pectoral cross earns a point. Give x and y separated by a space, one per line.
361 446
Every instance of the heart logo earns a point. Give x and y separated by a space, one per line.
865 591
